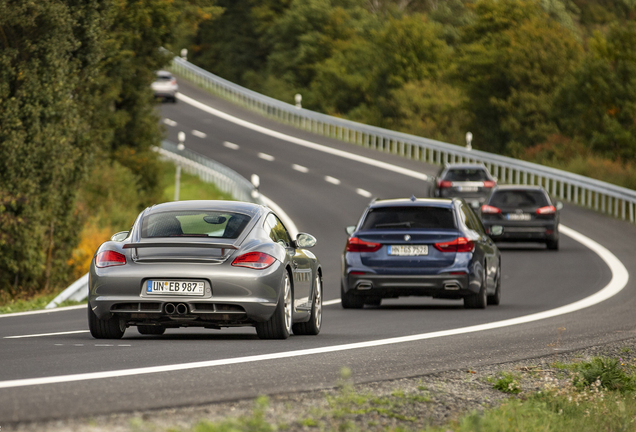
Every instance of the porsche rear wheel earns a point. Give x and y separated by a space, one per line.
280 324
151 329
312 327
112 328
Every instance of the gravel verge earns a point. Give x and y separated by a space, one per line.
410 403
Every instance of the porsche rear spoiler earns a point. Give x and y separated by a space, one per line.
221 246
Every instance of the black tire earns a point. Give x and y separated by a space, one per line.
112 328
350 301
312 327
173 99
479 300
280 324
373 301
552 244
156 330
495 299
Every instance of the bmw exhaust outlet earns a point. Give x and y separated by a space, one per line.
170 308
451 286
182 309
364 286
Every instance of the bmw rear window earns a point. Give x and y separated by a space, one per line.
519 198
386 218
212 224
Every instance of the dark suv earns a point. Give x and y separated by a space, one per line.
473 182
522 214
420 247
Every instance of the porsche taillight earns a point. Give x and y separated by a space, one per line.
460 244
443 184
489 184
254 260
354 244
109 258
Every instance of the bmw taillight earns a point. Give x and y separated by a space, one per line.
254 260
486 209
354 244
443 184
547 210
109 258
173 81
489 184
460 244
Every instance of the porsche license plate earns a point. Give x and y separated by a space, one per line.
467 188
408 250
168 287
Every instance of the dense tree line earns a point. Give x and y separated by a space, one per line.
75 105
539 79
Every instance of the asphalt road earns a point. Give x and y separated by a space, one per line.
322 193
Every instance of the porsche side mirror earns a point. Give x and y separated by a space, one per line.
120 236
305 241
559 205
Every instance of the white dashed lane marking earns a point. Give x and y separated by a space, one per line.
364 193
332 180
170 122
231 146
266 157
199 134
300 168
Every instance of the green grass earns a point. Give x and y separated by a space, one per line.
191 188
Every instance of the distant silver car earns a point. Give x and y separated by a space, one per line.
165 86
470 181
209 264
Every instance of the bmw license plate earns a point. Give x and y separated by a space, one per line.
166 287
408 250
467 188
518 216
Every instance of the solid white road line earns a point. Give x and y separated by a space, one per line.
300 168
332 180
170 122
330 302
43 311
231 145
199 134
364 193
302 142
46 334
620 276
266 157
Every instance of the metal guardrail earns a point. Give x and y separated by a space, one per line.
601 196
208 170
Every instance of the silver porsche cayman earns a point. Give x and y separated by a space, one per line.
208 264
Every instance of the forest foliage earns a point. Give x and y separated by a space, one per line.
552 81
77 121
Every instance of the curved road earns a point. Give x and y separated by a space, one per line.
322 193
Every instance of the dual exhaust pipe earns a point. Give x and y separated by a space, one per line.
178 309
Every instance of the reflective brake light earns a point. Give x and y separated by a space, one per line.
254 260
486 209
354 244
489 184
444 184
109 258
460 244
547 210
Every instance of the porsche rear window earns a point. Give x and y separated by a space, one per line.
211 224
386 218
